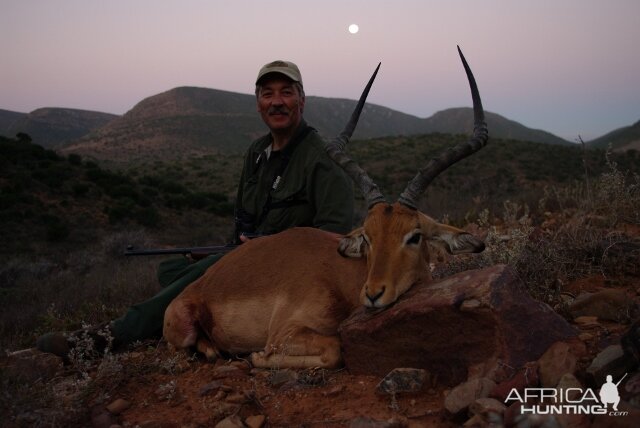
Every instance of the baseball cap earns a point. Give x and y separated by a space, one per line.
287 68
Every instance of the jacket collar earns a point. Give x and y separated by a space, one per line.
264 147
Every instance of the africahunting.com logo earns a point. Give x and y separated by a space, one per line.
577 401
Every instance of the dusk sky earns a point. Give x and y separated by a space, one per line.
571 67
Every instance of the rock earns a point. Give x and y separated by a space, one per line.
427 328
571 385
280 377
101 418
556 361
230 422
29 365
485 406
236 398
633 384
241 365
256 421
476 421
526 377
223 372
608 304
402 380
463 395
335 390
587 322
628 421
362 422
118 406
630 341
611 361
210 388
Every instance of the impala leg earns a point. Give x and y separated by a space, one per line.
182 332
205 346
301 350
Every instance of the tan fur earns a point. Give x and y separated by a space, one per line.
282 297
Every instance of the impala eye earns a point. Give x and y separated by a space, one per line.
415 239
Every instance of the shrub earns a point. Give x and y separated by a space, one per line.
56 228
149 217
75 159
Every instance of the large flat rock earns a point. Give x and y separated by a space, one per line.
446 327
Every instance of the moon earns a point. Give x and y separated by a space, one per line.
353 28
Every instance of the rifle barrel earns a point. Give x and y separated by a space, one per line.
130 251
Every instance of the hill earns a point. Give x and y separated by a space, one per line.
622 139
460 121
48 199
7 119
49 202
53 126
190 121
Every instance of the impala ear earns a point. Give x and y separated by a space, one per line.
353 244
449 238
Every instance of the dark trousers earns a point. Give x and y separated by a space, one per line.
144 320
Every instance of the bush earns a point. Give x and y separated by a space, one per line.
56 228
149 217
75 159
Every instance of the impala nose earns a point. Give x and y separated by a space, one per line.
373 297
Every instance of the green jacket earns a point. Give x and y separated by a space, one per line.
312 191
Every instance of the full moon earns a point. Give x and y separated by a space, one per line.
353 28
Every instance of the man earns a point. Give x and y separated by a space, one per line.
287 180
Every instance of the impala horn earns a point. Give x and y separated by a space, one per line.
335 150
437 165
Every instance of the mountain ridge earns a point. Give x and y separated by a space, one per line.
621 139
52 126
190 120
186 121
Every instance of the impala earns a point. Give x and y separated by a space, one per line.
282 297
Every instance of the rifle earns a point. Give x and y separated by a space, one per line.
194 252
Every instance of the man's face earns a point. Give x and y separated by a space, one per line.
280 104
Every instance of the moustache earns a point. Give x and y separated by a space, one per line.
278 110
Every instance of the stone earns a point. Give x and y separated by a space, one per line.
526 377
587 322
236 398
363 422
210 388
223 372
402 380
230 422
611 361
102 420
628 421
428 329
569 383
463 395
485 405
118 406
280 377
556 361
608 304
256 421
30 365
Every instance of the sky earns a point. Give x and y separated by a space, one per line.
570 67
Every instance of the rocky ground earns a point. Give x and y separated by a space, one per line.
149 386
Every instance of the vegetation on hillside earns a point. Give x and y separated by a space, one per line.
47 199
